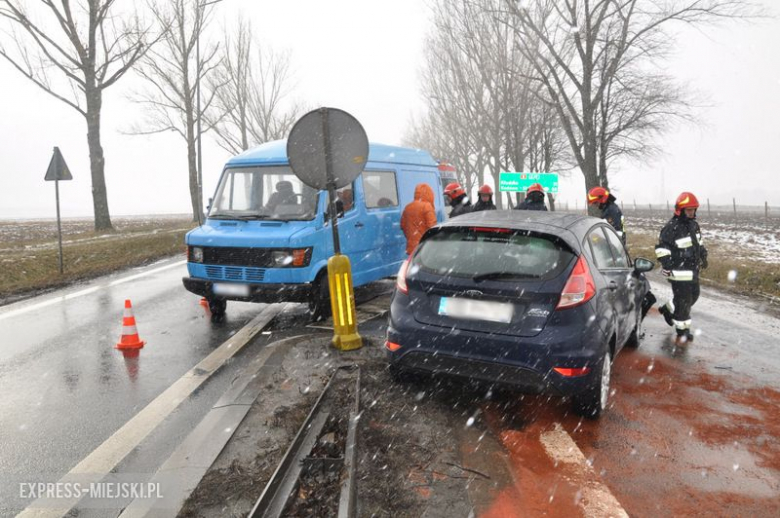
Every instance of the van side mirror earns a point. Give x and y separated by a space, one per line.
208 207
643 265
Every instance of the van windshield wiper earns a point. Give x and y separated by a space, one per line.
501 275
241 217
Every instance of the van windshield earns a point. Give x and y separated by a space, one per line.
271 192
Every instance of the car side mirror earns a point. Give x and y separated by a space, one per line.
643 265
208 207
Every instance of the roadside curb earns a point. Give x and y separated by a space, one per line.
188 464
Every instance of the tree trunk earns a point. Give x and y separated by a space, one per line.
97 162
192 167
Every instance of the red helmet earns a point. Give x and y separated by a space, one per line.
485 189
598 195
454 190
686 200
537 187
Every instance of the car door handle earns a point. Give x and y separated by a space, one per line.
612 286
359 225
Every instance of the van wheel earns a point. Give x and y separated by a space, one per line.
593 401
218 308
319 299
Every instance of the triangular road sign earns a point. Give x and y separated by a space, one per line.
58 169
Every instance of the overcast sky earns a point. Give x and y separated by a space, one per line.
366 57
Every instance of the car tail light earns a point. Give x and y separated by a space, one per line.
391 346
400 281
570 372
580 287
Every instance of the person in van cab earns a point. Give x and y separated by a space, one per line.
485 201
418 216
534 199
458 200
284 195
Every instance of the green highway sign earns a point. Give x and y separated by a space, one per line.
516 182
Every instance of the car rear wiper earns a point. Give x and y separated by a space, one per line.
499 275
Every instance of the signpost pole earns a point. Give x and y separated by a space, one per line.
331 182
58 170
59 224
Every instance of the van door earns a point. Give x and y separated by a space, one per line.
383 223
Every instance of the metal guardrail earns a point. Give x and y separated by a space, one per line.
280 489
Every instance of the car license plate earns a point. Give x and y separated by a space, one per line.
476 309
233 290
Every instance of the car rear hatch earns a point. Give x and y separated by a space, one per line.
490 280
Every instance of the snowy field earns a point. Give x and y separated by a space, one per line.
750 235
25 232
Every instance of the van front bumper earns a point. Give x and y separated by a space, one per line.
257 292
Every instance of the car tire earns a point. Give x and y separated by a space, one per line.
593 401
218 308
636 336
319 301
400 375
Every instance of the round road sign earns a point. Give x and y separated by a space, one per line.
327 142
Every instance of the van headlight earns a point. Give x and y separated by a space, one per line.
196 254
282 258
294 258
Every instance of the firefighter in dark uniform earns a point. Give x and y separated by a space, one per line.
485 201
534 199
682 255
458 200
609 209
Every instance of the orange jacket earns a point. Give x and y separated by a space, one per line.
418 216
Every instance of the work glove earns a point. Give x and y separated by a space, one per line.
704 263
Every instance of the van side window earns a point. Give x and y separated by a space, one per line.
345 199
380 189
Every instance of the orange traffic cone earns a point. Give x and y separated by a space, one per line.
130 339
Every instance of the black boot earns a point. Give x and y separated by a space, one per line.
664 311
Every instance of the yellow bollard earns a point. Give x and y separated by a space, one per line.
342 303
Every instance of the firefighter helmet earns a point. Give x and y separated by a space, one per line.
485 189
454 190
686 200
537 187
598 195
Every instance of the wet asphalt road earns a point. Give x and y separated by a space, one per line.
64 389
689 431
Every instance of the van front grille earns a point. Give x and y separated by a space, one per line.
221 273
233 256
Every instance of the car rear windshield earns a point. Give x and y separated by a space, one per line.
493 254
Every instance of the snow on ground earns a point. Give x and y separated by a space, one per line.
748 236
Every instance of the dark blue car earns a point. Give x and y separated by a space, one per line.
538 301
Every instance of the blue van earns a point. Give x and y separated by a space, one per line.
267 237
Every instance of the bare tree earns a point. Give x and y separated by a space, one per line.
74 52
251 86
599 62
172 74
483 94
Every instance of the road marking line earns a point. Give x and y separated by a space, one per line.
87 291
597 500
108 455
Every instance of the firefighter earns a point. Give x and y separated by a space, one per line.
534 199
609 209
458 200
682 255
485 201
